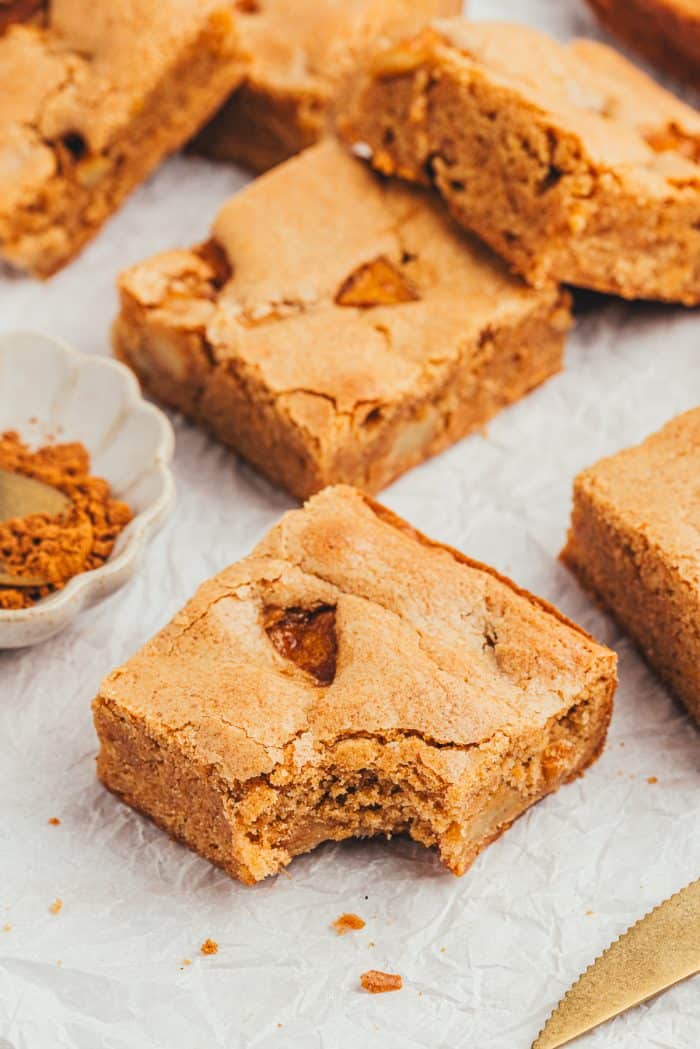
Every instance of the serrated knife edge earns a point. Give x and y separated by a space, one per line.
656 952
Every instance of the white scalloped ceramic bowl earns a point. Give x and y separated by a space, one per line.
49 391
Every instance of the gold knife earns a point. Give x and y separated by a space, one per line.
660 950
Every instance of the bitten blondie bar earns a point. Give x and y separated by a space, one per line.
635 543
351 678
570 162
667 32
301 51
93 95
336 329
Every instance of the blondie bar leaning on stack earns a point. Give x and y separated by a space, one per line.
95 94
635 543
566 159
336 328
351 678
301 51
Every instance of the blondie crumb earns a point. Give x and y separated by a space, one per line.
376 982
57 906
209 947
54 821
652 780
348 923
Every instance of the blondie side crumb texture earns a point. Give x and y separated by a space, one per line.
449 700
570 162
336 328
95 94
634 543
301 52
377 982
667 32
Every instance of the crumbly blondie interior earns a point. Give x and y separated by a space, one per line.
353 338
310 694
568 161
102 91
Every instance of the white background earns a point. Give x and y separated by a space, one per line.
484 958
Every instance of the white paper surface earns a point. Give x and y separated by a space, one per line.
484 958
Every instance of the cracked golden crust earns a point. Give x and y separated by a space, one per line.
100 92
272 360
601 161
460 655
301 52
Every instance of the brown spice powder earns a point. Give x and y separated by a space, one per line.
57 547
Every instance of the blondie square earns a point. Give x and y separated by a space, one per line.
634 543
302 50
667 32
336 328
94 94
351 678
566 159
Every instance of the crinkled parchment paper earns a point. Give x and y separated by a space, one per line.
485 957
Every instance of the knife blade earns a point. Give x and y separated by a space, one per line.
658 951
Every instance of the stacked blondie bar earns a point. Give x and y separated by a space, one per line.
353 313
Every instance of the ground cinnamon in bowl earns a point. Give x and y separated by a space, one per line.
57 547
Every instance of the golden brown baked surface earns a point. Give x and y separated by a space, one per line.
667 32
269 336
96 93
455 699
301 51
567 160
635 542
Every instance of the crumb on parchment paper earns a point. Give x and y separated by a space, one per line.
209 947
652 779
376 982
7 927
54 821
56 906
347 923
